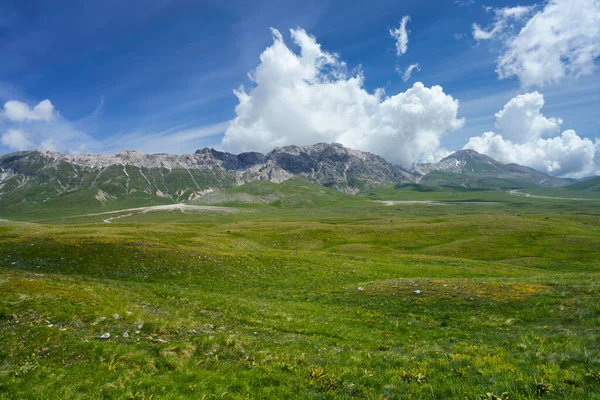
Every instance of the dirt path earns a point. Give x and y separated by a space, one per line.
111 219
434 202
169 207
523 194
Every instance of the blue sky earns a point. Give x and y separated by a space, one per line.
124 73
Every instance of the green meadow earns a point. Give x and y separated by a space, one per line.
476 294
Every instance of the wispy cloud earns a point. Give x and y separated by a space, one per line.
169 141
501 22
408 71
400 34
91 121
464 3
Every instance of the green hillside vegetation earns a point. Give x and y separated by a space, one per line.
590 185
418 192
327 297
43 187
79 202
291 193
449 179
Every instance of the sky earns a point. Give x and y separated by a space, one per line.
409 80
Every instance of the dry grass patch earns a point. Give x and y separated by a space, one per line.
453 289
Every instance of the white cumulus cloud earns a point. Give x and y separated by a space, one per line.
309 97
21 112
521 119
561 40
400 34
522 127
17 139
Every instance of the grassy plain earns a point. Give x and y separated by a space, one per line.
347 298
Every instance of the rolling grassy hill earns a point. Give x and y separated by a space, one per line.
291 193
333 296
590 185
452 287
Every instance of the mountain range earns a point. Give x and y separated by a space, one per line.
37 177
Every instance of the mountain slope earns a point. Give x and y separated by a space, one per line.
468 168
292 193
589 185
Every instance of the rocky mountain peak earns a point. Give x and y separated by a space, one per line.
470 168
468 155
465 152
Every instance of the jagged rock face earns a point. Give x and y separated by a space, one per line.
336 166
39 176
294 163
229 161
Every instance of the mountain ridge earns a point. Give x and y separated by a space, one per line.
39 177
